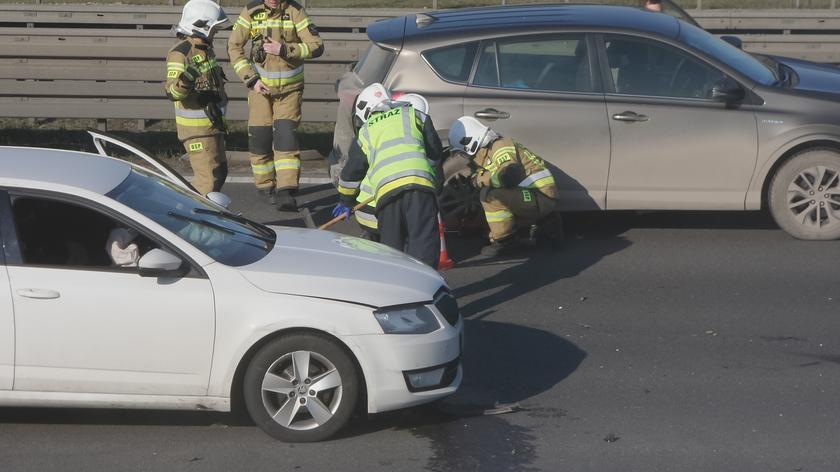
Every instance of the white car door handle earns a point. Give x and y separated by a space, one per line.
38 293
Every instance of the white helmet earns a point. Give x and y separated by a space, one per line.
416 100
201 18
467 134
370 98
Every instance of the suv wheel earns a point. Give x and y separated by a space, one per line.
804 195
301 388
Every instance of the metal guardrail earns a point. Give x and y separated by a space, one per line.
110 62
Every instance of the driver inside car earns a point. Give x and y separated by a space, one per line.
121 249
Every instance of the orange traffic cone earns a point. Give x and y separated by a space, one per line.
444 262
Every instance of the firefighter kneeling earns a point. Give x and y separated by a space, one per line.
518 191
396 149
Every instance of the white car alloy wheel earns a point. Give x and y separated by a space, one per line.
301 388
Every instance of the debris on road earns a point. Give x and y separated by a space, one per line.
611 438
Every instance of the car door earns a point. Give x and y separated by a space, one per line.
673 145
7 320
543 91
84 325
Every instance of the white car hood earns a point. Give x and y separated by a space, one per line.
324 264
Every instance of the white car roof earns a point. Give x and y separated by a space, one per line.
92 172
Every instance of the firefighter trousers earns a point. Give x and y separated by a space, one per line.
409 224
208 161
507 209
272 139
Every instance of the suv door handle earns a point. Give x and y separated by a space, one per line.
630 116
38 293
492 114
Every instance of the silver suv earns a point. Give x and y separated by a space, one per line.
632 109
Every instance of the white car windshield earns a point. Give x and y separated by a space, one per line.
224 236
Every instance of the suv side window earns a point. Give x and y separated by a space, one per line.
453 62
556 63
643 67
62 234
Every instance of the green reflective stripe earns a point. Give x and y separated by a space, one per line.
176 94
286 164
500 216
381 163
277 79
546 182
504 150
367 219
541 176
304 51
346 191
348 184
284 24
495 180
241 64
176 66
301 25
197 122
243 22
205 67
262 169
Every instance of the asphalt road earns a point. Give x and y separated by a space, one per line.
653 342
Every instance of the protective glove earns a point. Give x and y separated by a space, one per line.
189 77
342 210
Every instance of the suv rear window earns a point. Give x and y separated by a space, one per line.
453 62
374 64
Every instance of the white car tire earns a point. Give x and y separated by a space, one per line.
301 388
804 195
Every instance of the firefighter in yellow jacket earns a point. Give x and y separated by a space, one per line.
517 188
282 36
195 83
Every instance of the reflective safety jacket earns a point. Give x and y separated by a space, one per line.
504 152
192 94
287 24
396 150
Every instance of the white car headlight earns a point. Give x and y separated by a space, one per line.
417 319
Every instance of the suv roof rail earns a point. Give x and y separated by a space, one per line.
424 19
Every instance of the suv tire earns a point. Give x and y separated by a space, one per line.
804 195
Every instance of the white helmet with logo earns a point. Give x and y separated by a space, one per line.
467 134
369 99
201 18
416 100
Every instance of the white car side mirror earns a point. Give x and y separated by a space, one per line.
159 263
219 199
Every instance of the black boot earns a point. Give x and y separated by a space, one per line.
268 195
501 247
285 201
549 231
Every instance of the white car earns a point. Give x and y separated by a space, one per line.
302 326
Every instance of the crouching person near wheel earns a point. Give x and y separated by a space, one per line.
195 82
517 190
396 149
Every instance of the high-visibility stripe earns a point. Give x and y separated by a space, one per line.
263 24
304 51
262 169
198 122
500 216
347 191
177 95
241 64
243 22
504 150
277 79
286 164
367 219
176 66
301 25
535 177
402 182
348 184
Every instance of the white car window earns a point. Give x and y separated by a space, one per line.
57 233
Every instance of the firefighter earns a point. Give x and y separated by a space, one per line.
366 216
282 36
397 149
196 84
517 190
653 5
